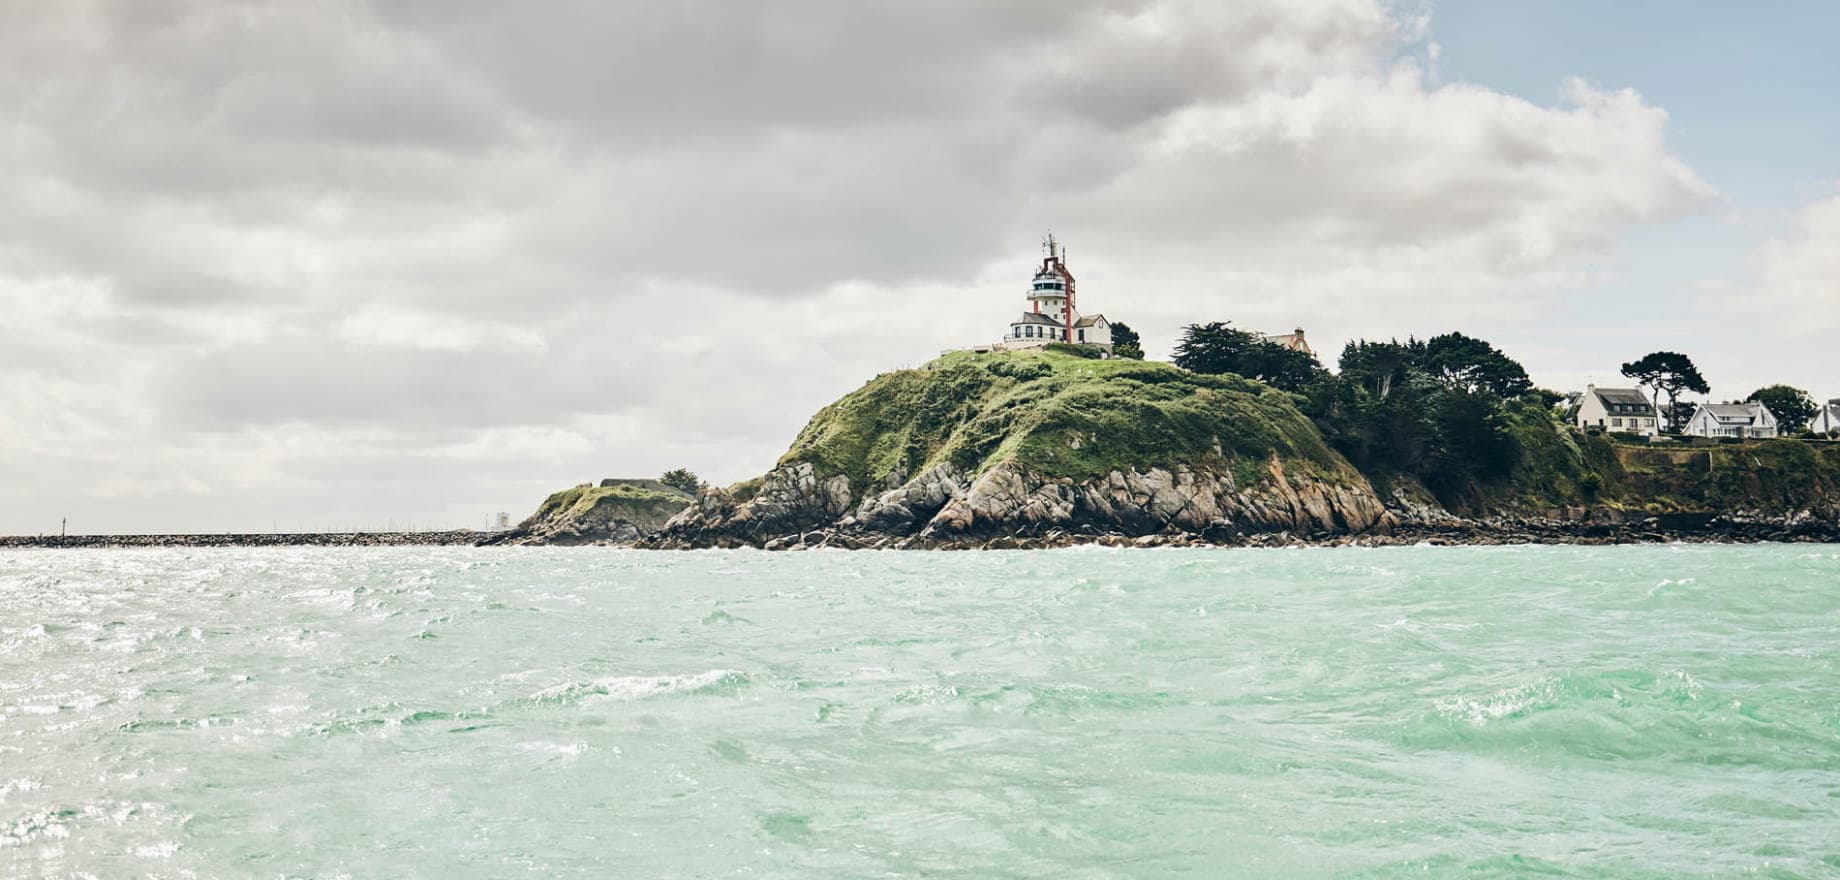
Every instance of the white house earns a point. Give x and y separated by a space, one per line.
1827 421
1617 410
1748 420
1293 341
1053 313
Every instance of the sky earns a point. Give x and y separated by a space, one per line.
318 266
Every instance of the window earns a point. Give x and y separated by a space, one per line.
1616 423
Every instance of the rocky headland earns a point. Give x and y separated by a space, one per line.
1046 449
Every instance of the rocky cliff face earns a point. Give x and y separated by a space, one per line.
789 500
944 506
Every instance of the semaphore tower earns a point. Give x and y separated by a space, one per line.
1054 314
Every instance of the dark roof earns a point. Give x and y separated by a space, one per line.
1036 318
1091 320
1622 396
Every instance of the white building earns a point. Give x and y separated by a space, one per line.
1053 314
1827 421
1617 411
1293 340
1747 420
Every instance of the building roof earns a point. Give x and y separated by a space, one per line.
1622 401
1293 340
1090 320
1623 397
1036 318
1733 411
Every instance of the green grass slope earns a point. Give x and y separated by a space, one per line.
599 505
1060 415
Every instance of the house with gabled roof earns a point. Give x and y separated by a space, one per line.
1751 421
1827 420
1617 411
1293 340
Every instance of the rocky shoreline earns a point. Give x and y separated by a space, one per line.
1489 533
462 537
1009 508
1500 531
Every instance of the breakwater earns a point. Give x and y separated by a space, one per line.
251 539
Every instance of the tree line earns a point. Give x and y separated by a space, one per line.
1442 409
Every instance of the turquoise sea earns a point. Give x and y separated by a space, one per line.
1657 711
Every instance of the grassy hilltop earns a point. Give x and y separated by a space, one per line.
1062 415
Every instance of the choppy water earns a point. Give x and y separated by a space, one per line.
447 713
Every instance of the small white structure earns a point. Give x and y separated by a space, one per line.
1617 410
1053 314
1752 421
1827 421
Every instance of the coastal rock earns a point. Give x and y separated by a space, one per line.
790 499
897 509
942 507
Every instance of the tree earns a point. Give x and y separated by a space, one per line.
1436 410
1474 366
1125 343
682 480
1212 348
1792 407
1472 443
1670 373
1378 367
1219 348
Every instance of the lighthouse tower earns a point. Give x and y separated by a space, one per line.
1052 291
1053 314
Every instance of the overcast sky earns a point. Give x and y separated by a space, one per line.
317 265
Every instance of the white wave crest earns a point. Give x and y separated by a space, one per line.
625 688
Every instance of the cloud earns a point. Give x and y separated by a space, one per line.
427 331
1798 274
265 256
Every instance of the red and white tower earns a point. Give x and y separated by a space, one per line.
1052 293
1053 314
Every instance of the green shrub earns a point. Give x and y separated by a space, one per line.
1247 473
1019 370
